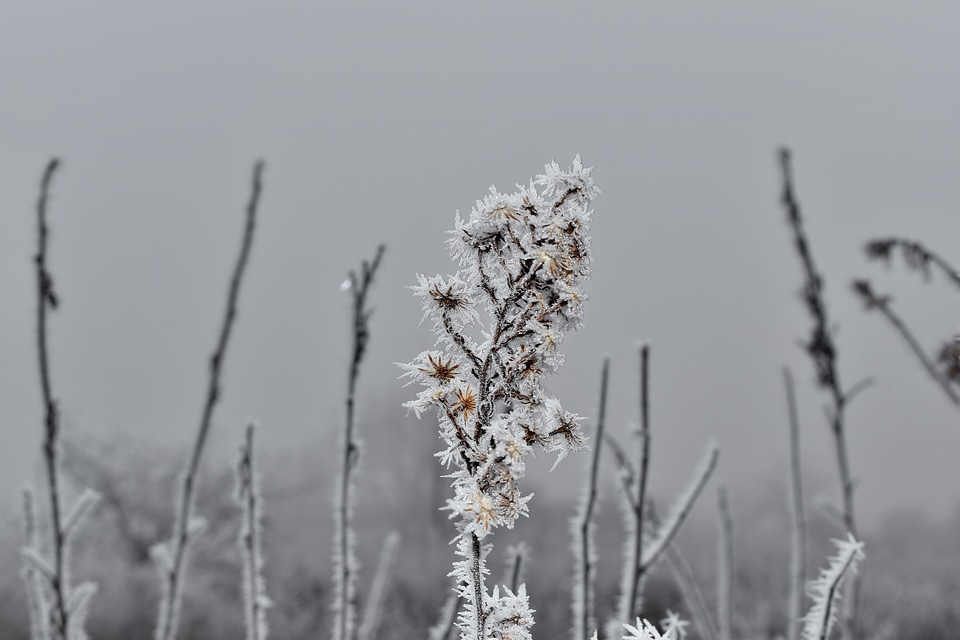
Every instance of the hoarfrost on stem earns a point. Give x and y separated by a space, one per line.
499 322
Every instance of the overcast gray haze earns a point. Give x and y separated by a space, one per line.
378 121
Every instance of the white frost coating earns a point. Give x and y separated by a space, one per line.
378 589
499 323
681 507
87 499
645 630
250 541
825 590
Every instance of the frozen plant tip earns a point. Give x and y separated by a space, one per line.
499 322
825 590
673 630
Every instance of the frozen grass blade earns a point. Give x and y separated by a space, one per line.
443 628
373 612
345 564
798 518
825 590
725 570
171 556
691 593
682 506
583 593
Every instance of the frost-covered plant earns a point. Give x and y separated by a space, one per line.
255 599
583 531
58 611
345 563
673 629
523 258
826 589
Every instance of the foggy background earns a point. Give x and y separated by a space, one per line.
378 121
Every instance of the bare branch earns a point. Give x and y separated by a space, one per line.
881 303
173 574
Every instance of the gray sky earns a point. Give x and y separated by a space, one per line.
379 120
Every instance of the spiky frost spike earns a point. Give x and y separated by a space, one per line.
826 589
499 323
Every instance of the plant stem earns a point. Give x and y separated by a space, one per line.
47 300
173 578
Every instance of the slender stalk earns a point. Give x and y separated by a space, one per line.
584 593
882 304
691 593
448 616
798 518
516 560
47 301
915 254
725 573
344 560
172 574
641 490
373 612
251 544
824 355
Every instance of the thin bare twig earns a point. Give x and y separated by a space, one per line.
641 489
798 519
255 598
823 353
915 254
172 574
344 561
47 301
881 303
584 594
725 573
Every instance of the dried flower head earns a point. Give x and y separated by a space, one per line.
523 259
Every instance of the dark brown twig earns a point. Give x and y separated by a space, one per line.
823 353
915 255
881 303
47 301
172 575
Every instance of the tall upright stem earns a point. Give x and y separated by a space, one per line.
173 574
47 300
